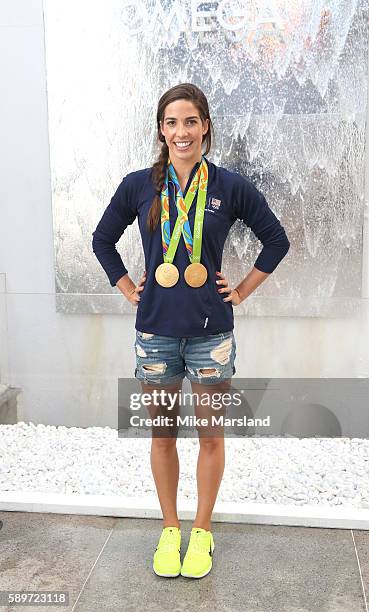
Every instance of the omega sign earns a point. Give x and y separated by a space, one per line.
200 17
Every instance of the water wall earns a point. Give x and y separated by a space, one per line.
287 88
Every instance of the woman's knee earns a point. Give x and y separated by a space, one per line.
211 443
163 443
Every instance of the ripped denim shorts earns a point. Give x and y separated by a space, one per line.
203 359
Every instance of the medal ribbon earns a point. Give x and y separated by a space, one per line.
193 246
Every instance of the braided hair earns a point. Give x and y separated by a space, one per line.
184 91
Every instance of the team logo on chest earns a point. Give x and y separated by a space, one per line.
213 204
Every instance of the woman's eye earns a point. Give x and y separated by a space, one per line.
191 121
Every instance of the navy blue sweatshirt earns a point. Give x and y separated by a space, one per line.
183 311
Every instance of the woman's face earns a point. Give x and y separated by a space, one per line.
183 131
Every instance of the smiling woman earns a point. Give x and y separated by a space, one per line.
184 125
184 136
184 323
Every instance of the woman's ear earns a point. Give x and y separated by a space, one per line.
206 126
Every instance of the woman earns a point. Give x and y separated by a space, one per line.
185 206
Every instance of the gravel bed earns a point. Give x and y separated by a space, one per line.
317 471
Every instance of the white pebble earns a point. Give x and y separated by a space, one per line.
94 460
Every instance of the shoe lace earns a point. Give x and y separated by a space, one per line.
199 542
167 541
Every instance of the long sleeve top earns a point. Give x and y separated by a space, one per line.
181 310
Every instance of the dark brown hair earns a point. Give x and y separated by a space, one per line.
184 91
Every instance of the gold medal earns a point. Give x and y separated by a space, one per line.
195 275
166 274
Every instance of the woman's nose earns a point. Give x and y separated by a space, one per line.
182 130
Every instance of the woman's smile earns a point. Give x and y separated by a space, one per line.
183 146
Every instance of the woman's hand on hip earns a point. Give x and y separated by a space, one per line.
233 295
134 296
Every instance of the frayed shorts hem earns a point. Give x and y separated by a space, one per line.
168 380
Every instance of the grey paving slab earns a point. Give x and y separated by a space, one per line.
256 568
361 539
49 552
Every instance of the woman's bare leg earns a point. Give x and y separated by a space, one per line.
164 462
211 458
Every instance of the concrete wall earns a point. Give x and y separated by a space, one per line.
68 365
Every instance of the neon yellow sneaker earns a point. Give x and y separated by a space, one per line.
198 559
167 557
